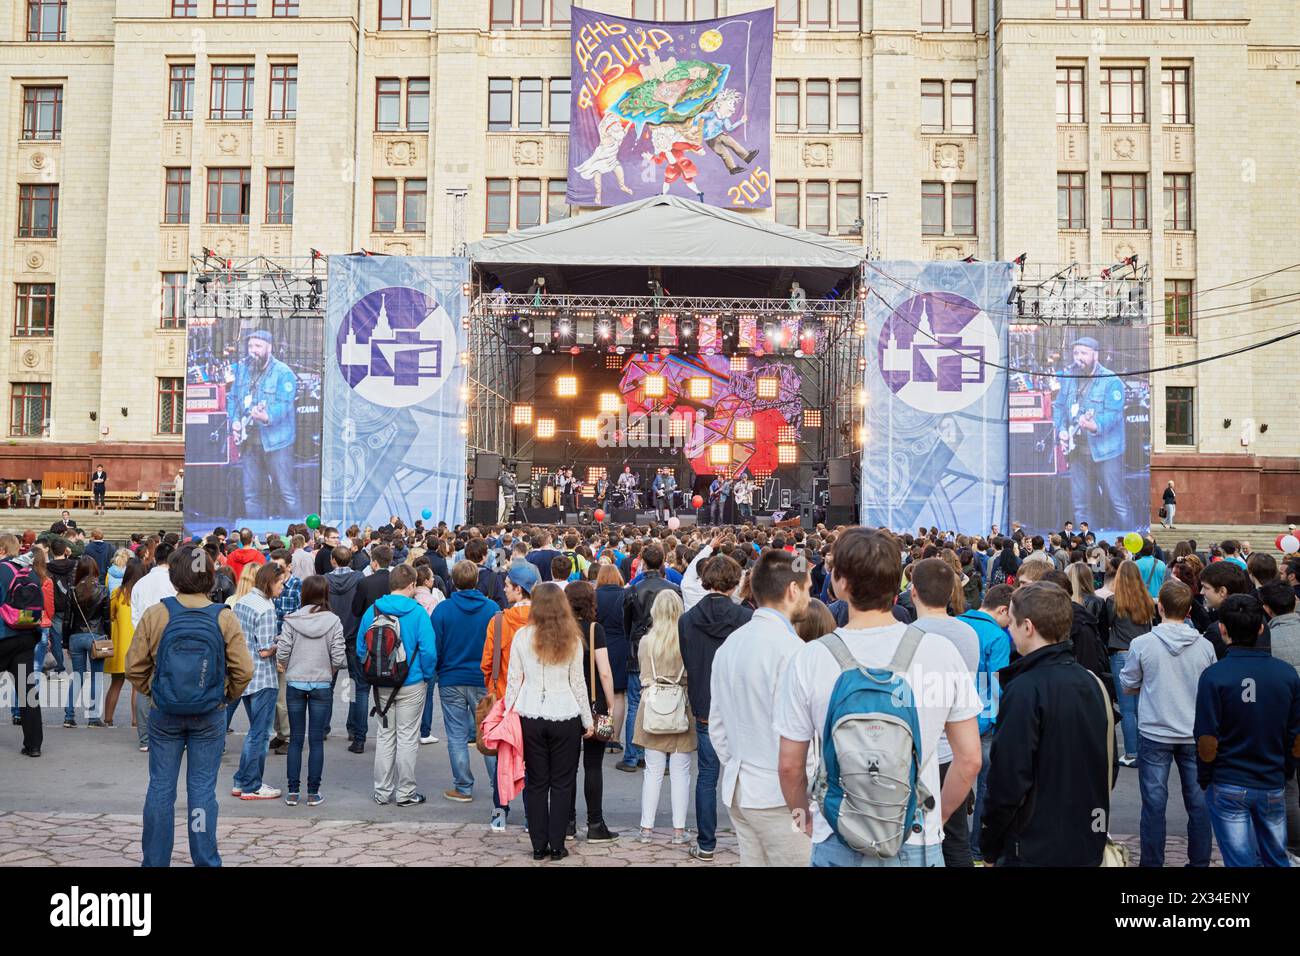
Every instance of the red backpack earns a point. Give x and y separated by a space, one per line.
384 663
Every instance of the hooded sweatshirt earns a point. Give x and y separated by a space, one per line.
416 632
512 620
343 585
115 576
701 631
1166 664
1284 638
61 570
460 628
310 646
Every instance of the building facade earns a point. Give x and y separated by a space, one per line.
145 131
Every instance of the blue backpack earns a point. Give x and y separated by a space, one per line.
869 780
190 663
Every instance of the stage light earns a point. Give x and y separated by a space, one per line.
677 427
604 330
610 401
862 364
860 328
787 454
595 473
537 350
464 393
769 386
613 361
587 428
523 414
464 288
862 435
720 453
701 387
740 363
812 418
545 428
785 434
861 396
566 386
464 358
464 428
539 471
655 386
744 429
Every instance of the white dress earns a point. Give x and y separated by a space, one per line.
604 159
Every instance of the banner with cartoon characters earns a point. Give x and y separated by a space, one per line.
393 442
678 108
935 448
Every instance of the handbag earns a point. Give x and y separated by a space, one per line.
1115 854
484 706
602 725
1163 512
102 647
663 704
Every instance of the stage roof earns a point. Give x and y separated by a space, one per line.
667 231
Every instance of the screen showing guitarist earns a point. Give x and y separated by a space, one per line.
1088 414
261 409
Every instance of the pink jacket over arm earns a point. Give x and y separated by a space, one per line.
501 730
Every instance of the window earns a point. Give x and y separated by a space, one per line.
706 9
390 14
499 97
963 106
1179 409
384 209
673 10
414 203
848 208
787 106
279 196
34 314
531 14
171 406
1069 94
848 106
1178 201
180 91
1175 94
234 8
173 300
818 199
932 114
1069 8
47 19
955 15
421 15
388 105
284 91
1173 9
1120 9
559 106
819 14
847 14
42 112
787 203
1125 199
232 92
817 96
177 206
284 8
185 8
229 191
560 12
557 205
528 205
1178 307
1071 202
38 211
498 205
502 16
29 409
530 104
1123 95
963 209
417 105
787 14
932 213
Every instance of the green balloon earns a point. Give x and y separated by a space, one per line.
1133 542
313 521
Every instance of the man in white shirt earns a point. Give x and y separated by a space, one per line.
866 571
155 585
747 670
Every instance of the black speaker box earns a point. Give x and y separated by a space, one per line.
487 465
842 496
485 489
841 471
484 512
839 514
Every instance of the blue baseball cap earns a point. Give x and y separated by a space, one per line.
524 576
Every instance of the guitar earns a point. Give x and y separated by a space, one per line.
242 428
1071 439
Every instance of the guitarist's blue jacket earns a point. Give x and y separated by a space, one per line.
278 388
1104 395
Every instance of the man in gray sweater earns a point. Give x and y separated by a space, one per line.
1279 600
1163 669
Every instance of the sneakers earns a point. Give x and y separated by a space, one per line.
455 796
69 723
498 824
704 856
382 801
95 722
143 748
276 743
571 831
31 751
18 721
431 739
357 747
415 800
236 792
599 833
263 792
1128 760
625 767
291 799
645 835
558 855
314 799
681 839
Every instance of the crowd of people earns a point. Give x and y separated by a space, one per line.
852 696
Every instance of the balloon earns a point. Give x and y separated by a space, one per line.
674 523
426 514
313 521
599 515
1290 544
697 501
1133 542
1277 542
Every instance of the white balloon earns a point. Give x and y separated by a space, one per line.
674 523
1290 544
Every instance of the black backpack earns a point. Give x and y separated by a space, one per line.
384 663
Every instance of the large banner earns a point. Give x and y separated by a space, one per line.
1080 428
935 452
678 108
252 419
393 438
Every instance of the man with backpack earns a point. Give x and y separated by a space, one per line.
921 689
21 607
61 568
397 654
189 657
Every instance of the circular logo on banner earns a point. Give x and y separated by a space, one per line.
396 347
932 351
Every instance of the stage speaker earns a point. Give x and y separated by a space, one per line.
842 496
1033 448
485 489
487 465
807 516
484 512
841 471
837 515
623 515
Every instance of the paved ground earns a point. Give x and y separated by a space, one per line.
79 804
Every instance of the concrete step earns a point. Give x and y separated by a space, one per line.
1260 537
118 526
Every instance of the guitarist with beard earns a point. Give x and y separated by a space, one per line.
1088 414
262 420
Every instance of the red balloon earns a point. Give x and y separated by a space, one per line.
1278 541
697 501
600 514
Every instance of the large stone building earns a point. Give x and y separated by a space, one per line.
143 131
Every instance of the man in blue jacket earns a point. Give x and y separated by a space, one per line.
460 627
1247 733
399 728
1091 405
263 422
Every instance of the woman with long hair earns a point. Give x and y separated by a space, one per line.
1005 564
1129 613
957 603
661 663
85 622
1107 588
609 613
121 612
544 687
1083 591
1188 569
600 691
247 579
120 624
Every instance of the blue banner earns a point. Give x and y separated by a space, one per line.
393 438
935 449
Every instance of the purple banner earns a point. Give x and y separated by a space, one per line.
679 108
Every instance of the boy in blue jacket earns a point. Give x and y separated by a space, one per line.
1247 739
399 731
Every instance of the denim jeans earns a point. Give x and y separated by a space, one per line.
1154 758
33 673
956 832
200 739
458 705
270 490
426 718
1250 824
1093 484
359 707
79 650
142 707
631 752
308 711
706 788
1128 705
835 852
981 790
260 707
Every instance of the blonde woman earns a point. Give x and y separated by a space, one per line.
247 579
117 570
661 662
1129 613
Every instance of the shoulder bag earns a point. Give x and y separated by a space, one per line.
663 704
602 725
102 647
1115 854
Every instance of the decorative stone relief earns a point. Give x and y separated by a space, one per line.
228 143
1124 147
178 143
949 158
1124 249
31 358
279 142
948 252
400 152
38 160
529 152
397 248
818 154
34 261
225 247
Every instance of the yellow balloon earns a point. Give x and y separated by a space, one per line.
710 40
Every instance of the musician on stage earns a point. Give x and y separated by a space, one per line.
602 493
744 492
508 489
664 486
570 491
1088 413
627 487
263 421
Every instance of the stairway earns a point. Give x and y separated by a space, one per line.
1261 537
118 526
